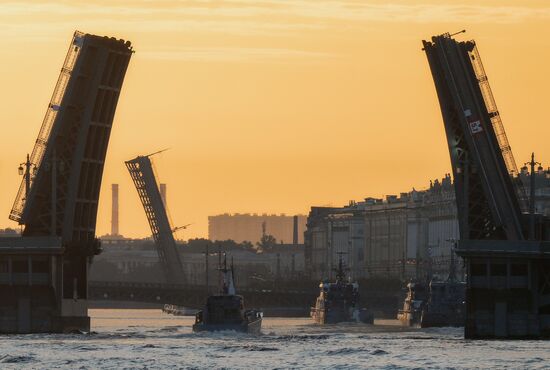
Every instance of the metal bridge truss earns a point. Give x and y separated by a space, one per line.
70 153
51 114
144 178
498 126
487 200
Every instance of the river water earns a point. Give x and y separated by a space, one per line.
150 339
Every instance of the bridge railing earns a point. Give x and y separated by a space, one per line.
497 124
48 122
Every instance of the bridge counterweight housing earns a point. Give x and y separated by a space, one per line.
49 293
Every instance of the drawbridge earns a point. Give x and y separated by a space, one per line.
506 249
143 175
44 273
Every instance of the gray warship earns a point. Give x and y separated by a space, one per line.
446 304
338 301
226 311
437 304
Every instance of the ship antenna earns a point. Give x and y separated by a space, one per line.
232 274
225 280
220 277
340 273
452 268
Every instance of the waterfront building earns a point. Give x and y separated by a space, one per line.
404 236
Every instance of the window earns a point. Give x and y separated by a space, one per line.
498 269
20 266
40 266
4 266
478 269
518 269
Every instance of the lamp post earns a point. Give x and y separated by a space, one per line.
25 171
532 183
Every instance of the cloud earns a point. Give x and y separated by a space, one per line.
31 21
399 12
279 11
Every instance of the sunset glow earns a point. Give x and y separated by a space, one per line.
272 106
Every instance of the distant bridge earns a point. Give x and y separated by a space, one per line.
194 296
296 297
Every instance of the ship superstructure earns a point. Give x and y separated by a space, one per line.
414 303
446 304
339 301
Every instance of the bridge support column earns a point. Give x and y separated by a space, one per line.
31 289
507 284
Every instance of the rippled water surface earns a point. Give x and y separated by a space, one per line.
149 339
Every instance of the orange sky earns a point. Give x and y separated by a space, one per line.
270 105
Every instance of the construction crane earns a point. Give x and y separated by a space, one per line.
508 292
144 178
177 228
184 227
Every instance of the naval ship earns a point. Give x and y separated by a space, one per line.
411 313
437 304
226 311
446 304
338 301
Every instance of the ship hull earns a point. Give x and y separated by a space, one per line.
439 320
408 318
323 317
253 327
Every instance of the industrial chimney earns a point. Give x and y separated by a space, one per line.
295 231
114 208
163 194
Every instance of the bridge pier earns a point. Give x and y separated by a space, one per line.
31 289
508 291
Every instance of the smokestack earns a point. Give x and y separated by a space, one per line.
163 194
295 231
114 209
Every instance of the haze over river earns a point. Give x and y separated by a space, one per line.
150 339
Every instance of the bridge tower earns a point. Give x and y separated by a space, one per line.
508 291
44 274
143 174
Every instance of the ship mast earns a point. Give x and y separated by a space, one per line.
341 270
226 276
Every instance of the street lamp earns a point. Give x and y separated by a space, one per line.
26 173
452 267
